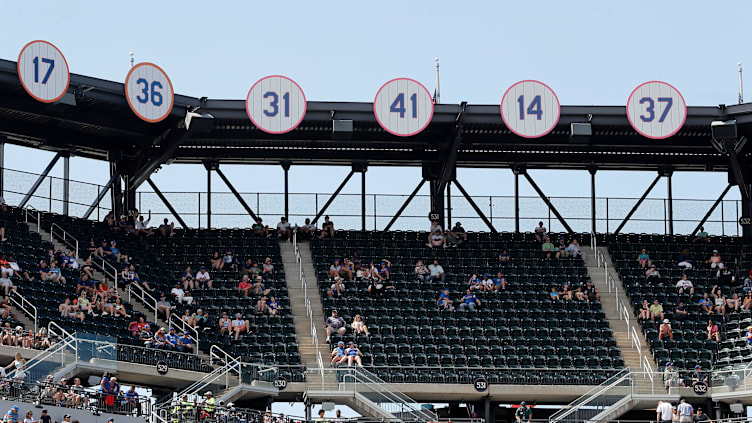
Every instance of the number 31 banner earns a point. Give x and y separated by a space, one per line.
276 104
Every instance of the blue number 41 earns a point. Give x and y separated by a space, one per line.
398 105
533 109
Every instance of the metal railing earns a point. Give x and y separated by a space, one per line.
136 290
307 299
56 357
33 217
107 268
25 305
67 239
185 327
597 399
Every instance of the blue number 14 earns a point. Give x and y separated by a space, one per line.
533 109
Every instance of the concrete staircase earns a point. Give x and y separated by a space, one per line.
623 336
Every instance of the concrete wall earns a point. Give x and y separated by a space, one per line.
57 413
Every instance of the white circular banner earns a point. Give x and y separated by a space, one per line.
149 92
276 104
403 107
43 71
656 110
530 109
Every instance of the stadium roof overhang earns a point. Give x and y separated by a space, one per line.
100 125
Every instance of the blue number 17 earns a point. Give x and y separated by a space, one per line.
49 70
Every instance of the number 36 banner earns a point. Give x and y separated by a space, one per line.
149 92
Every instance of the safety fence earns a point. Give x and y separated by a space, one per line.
345 210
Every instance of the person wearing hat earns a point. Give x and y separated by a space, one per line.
12 415
338 354
445 302
67 418
334 324
203 278
671 376
664 331
699 376
457 235
748 336
172 339
715 260
185 343
523 413
209 403
701 417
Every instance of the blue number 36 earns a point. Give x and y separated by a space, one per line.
156 96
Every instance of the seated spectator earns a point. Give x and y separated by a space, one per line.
6 311
554 295
436 235
84 304
652 275
68 310
456 236
95 250
185 343
274 306
5 269
565 293
384 269
225 324
7 285
445 302
591 292
335 269
261 305
143 227
259 288
436 272
54 274
239 325
699 375
166 228
378 287
540 232
338 353
146 336
202 320
85 284
469 301
259 229
719 300
561 247
116 308
656 311
114 253
684 285
357 262
353 355
337 288
701 236
244 287
130 276
229 260
372 272
725 276
734 304
188 279
713 333
359 326
504 257
164 307
327 228
422 272
203 278
500 282
579 294
267 270
747 304
475 283
135 327
748 336
308 230
487 282
644 259
17 271
284 230
189 318
180 296
684 260
664 331
160 340
715 260
548 248
3 238
124 225
706 304
671 377
334 324
216 261
680 312
574 248
172 339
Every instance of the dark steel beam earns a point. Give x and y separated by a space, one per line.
102 193
405 204
670 203
548 202
39 180
475 207
712 209
2 166
592 171
516 199
208 198
66 184
336 193
637 205
169 144
237 194
286 168
363 200
166 203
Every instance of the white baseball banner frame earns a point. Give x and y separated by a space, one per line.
276 104
403 107
656 110
530 109
43 71
149 92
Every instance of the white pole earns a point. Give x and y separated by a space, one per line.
437 94
131 54
741 87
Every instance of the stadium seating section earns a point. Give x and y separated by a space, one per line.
516 336
690 345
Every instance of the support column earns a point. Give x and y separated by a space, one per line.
363 200
208 199
116 191
286 168
2 166
516 200
592 200
66 184
437 200
39 180
670 203
449 205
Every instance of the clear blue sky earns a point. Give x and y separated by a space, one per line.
589 52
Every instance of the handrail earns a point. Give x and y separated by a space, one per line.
29 211
575 405
215 351
149 301
68 239
307 299
185 327
107 268
22 303
51 330
69 341
636 343
649 370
